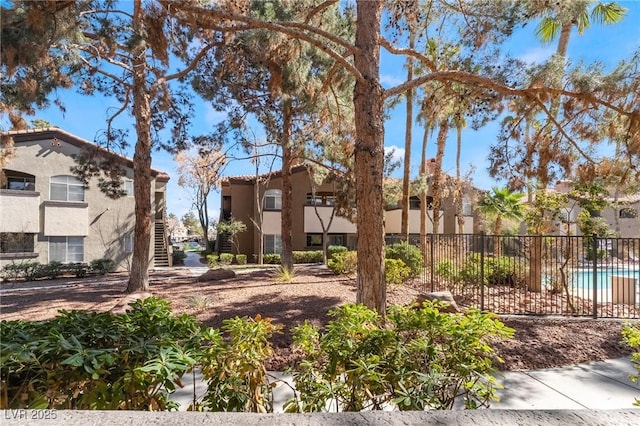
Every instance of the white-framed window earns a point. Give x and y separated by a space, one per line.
66 188
272 244
127 243
467 209
66 249
128 187
273 199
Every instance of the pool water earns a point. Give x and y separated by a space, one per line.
584 279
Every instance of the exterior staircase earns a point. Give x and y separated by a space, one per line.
224 243
161 257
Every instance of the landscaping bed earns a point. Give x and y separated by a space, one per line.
539 342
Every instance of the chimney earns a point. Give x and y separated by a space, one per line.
431 166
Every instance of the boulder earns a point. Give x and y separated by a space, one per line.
216 274
123 304
441 296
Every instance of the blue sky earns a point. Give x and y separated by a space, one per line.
86 116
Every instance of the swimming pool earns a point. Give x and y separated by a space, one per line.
583 279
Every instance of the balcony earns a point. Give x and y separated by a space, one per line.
63 218
20 211
339 225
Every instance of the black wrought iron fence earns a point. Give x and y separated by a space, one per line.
539 275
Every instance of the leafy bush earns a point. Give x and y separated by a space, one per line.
241 259
396 272
342 263
501 270
271 258
331 250
51 270
79 270
213 260
419 359
103 266
307 256
631 337
178 256
226 258
233 365
97 361
409 254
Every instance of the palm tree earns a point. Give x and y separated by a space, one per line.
559 18
503 205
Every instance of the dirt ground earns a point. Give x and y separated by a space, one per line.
539 342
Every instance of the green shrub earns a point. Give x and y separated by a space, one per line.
103 266
79 270
331 250
178 256
241 259
97 361
272 259
233 365
213 260
419 359
342 263
396 272
51 270
631 337
501 270
307 256
226 258
409 254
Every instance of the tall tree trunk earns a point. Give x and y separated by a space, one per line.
286 213
404 227
423 194
139 275
437 174
369 158
459 188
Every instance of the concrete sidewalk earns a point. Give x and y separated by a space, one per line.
598 385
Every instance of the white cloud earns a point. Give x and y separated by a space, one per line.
398 153
388 80
213 117
537 55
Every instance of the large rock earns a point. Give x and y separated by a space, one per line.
123 304
441 296
216 274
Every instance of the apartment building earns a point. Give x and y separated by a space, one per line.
243 195
47 214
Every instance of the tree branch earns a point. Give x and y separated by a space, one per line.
408 52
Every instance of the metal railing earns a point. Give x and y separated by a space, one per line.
536 275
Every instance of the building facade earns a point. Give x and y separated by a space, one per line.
47 214
246 198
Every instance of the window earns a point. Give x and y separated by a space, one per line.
21 183
66 249
128 187
466 207
127 243
414 203
273 199
272 244
314 240
321 199
66 188
628 213
16 242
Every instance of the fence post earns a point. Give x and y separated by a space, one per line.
431 245
482 242
594 248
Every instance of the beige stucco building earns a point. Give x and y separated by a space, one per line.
47 214
241 195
